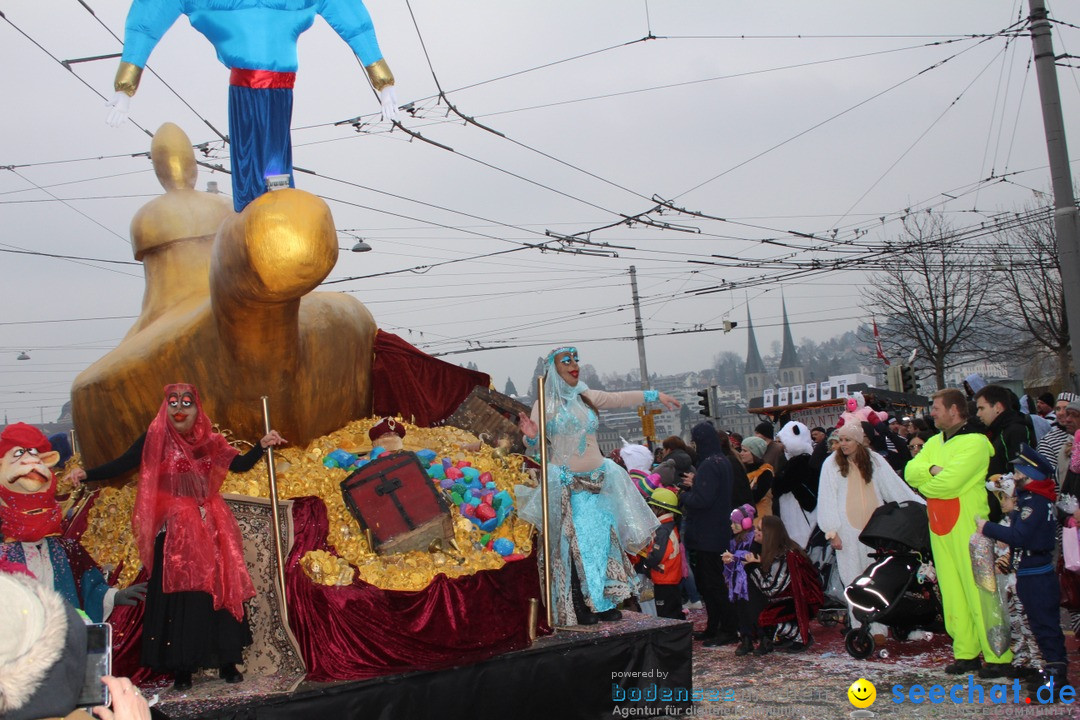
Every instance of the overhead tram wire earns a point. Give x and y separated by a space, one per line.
873 97
730 76
65 257
1006 65
66 182
724 287
627 338
549 248
919 139
218 167
471 120
94 90
169 87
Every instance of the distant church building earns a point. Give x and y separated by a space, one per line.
790 372
758 378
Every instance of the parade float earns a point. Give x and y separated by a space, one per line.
348 614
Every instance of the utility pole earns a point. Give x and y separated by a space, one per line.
648 425
1066 227
639 332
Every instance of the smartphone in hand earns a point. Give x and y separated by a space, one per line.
98 663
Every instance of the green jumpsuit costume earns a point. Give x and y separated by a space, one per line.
954 497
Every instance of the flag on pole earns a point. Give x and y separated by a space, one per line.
877 339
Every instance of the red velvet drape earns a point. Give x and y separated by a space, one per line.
359 631
421 389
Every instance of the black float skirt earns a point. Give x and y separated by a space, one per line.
182 630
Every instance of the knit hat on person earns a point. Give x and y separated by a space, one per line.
666 471
636 457
1047 399
1067 397
853 431
1074 406
756 446
743 516
42 650
645 482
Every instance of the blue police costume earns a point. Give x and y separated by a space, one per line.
1032 535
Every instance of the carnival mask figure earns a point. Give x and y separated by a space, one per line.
31 522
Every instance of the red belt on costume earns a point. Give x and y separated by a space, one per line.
262 79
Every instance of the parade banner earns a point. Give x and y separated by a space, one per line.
826 390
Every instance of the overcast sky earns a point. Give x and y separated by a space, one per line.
774 116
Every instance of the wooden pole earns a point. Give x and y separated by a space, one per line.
279 555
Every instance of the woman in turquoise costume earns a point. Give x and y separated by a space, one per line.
594 509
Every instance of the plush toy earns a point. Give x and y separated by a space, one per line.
858 411
30 520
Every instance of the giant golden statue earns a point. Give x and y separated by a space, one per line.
228 307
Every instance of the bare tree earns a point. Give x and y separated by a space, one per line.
1028 290
930 296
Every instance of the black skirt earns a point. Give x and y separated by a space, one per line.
182 630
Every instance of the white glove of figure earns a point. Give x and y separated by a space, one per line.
131 595
120 109
388 100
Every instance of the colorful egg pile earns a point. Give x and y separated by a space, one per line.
476 497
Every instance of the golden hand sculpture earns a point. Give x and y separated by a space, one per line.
228 307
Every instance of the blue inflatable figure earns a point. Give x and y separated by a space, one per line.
256 40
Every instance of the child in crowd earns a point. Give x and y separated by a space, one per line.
744 596
663 559
790 587
1027 663
1032 530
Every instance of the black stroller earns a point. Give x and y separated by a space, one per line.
890 591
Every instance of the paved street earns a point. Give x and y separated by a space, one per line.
814 685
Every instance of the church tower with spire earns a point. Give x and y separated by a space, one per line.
790 372
757 378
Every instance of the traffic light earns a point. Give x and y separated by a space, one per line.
896 378
729 325
705 405
908 382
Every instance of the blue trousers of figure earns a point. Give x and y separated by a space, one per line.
259 139
1041 597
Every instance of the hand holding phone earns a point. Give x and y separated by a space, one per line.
128 702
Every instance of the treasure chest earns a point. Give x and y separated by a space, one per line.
393 498
492 417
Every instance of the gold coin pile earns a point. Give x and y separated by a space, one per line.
108 537
301 473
